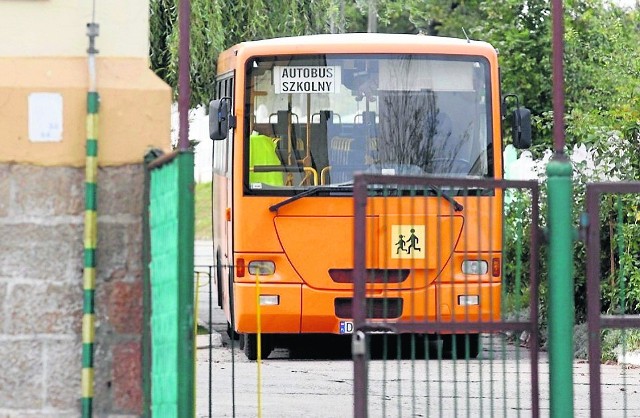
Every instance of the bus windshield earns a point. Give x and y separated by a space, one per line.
317 119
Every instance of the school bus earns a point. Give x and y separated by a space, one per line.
292 121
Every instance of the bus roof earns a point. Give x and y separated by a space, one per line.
354 43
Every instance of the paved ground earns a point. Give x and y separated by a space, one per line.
203 262
319 383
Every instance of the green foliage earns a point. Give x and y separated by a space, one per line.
620 262
517 233
602 61
206 44
203 211
217 25
603 76
617 341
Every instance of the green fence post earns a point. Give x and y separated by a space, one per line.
561 303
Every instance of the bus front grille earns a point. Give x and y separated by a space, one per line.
373 275
377 308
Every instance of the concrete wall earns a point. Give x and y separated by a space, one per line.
42 203
41 269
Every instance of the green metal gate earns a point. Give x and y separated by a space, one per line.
169 386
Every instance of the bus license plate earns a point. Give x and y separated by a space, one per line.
346 327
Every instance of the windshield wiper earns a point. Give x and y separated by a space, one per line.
347 187
310 191
456 206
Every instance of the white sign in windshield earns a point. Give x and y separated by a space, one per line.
307 79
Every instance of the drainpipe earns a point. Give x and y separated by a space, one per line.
90 226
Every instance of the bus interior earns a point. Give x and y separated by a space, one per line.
404 114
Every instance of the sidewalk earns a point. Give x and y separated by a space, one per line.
203 263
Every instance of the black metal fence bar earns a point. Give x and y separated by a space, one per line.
208 271
535 290
359 303
459 326
620 321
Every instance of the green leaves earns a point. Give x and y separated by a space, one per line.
219 24
602 60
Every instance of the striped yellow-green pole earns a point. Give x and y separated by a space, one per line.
90 231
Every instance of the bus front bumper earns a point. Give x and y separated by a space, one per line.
301 309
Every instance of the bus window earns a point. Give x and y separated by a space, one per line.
389 113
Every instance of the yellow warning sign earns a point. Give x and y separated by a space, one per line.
408 241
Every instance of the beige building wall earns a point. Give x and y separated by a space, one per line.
43 51
45 28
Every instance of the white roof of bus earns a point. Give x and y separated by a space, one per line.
373 39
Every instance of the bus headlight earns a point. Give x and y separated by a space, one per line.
475 267
269 300
468 300
262 268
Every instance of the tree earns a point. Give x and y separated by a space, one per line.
601 51
217 25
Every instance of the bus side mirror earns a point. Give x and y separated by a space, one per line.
521 128
218 119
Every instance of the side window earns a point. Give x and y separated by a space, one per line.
229 141
222 149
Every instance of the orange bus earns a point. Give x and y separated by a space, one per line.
294 119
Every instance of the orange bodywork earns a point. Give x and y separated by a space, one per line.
313 236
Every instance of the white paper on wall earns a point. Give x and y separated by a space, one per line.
45 117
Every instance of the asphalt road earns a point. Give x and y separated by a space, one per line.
314 378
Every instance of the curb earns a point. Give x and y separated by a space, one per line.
202 341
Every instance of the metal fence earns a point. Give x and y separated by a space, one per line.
415 364
612 217
474 299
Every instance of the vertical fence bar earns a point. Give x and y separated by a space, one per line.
210 341
593 300
184 65
359 303
259 346
533 306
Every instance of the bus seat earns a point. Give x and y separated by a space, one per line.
371 152
369 122
339 158
319 139
262 151
281 130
